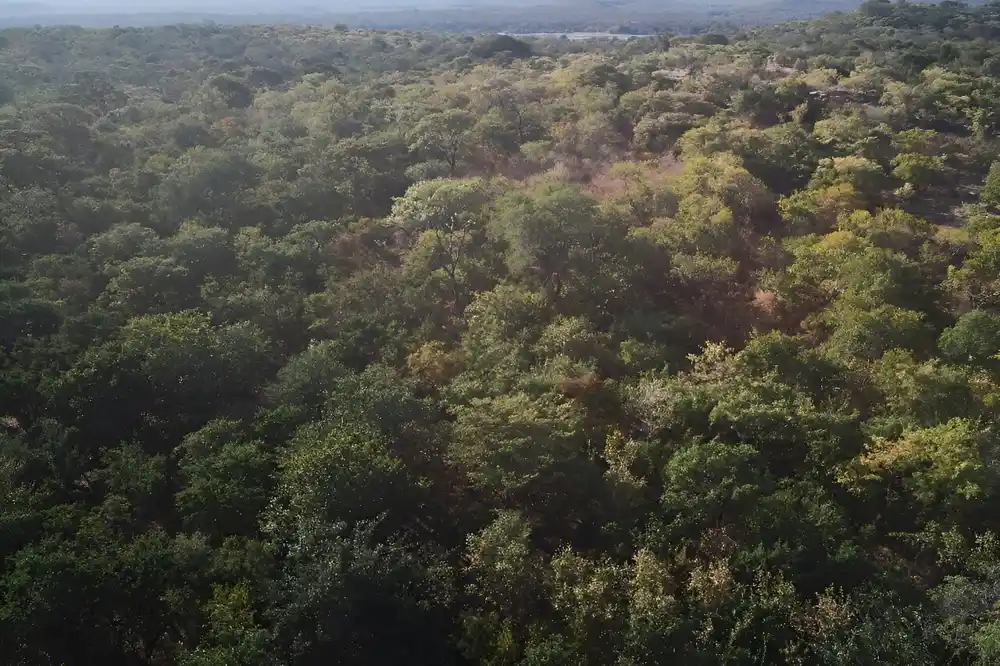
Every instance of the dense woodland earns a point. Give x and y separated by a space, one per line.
326 346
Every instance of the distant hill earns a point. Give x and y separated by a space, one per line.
21 8
447 15
233 7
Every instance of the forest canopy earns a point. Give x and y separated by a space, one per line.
337 346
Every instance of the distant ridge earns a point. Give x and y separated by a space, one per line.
640 16
14 8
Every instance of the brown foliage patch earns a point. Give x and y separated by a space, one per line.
575 387
766 302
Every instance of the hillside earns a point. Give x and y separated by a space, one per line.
325 345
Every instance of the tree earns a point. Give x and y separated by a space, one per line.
920 171
974 283
307 378
235 637
706 485
333 472
161 376
990 194
341 497
723 176
226 480
715 39
784 157
150 285
973 338
554 237
817 210
447 219
866 177
444 135
863 333
506 585
236 93
509 444
498 44
944 465
205 182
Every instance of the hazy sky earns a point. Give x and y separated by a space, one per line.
131 6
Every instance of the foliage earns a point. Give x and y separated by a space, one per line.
337 346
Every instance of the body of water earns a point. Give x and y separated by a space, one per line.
577 36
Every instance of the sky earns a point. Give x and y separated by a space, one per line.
131 6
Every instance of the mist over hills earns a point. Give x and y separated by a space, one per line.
232 7
452 15
343 7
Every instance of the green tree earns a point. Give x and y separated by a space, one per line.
990 194
555 239
920 171
161 376
973 338
225 480
445 136
447 220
